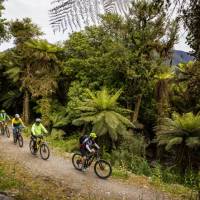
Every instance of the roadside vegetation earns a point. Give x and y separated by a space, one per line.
114 79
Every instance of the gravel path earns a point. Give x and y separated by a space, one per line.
61 169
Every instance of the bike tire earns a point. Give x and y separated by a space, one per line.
74 161
44 147
14 139
20 141
2 131
31 147
7 132
100 164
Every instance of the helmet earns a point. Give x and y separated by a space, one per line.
3 111
93 135
17 116
38 120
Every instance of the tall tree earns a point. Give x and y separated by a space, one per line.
22 32
191 16
3 24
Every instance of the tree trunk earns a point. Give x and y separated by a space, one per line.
26 111
135 115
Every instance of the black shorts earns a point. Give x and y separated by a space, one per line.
83 151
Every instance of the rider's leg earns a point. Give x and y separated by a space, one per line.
84 157
14 133
34 141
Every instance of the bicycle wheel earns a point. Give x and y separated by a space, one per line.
14 139
7 131
32 147
77 161
103 169
20 141
2 131
44 151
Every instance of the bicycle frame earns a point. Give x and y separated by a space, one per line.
39 141
91 157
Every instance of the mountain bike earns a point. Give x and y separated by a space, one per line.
17 137
5 129
38 144
102 168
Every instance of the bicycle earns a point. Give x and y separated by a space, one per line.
18 137
38 144
102 168
4 128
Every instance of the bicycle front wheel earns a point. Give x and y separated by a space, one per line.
44 151
77 161
20 141
103 169
7 131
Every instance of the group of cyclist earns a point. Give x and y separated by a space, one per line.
87 142
37 129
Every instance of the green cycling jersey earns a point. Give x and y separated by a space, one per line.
4 116
38 129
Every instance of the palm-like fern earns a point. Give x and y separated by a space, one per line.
71 15
181 133
102 110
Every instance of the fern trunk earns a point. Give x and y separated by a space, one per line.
137 109
26 109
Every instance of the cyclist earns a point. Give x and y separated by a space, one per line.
37 130
17 123
87 145
3 117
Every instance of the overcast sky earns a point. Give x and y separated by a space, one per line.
37 10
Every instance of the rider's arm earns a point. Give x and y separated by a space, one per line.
96 145
8 117
44 129
22 123
88 148
13 122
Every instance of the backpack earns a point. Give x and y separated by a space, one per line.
82 139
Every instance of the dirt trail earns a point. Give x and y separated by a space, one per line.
61 169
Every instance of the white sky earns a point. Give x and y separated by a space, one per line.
37 10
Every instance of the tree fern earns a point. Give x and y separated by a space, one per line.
180 134
102 111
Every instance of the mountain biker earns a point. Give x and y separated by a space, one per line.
3 116
87 145
17 123
37 130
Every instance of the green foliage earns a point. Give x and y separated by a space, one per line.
182 134
24 30
186 93
70 144
191 15
179 129
102 111
3 25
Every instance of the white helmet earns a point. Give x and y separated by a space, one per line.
38 120
17 116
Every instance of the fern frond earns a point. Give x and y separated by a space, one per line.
81 13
